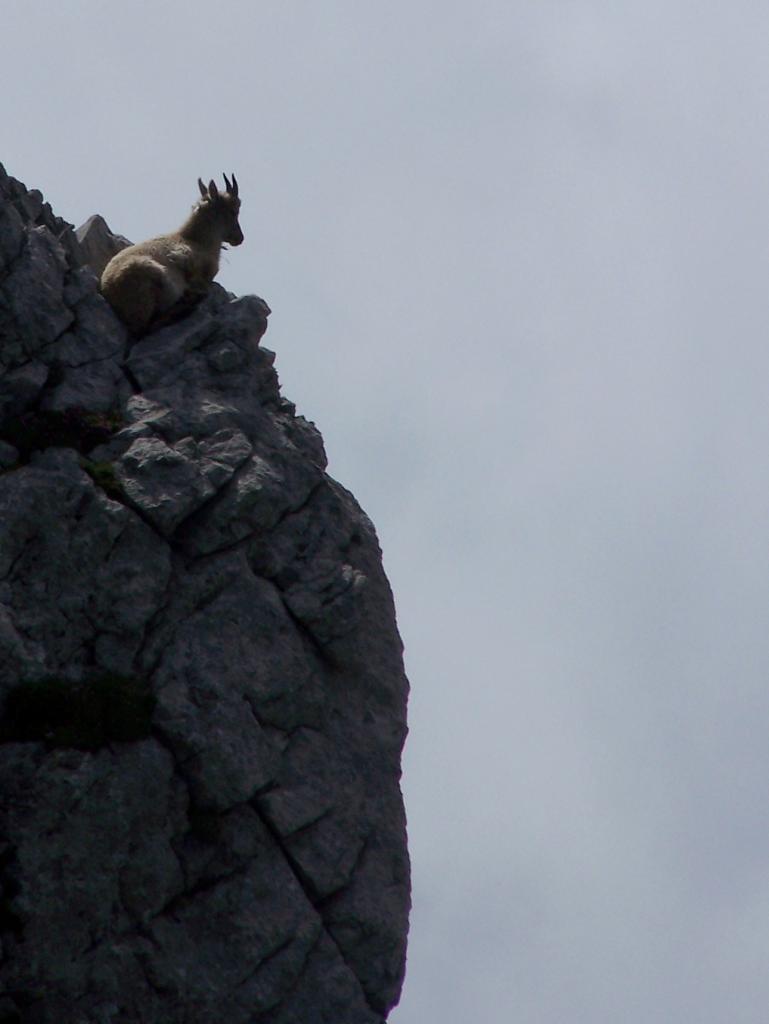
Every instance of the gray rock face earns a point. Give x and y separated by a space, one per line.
97 243
203 697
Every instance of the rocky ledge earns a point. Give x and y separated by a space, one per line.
203 696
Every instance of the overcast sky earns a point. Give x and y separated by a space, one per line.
518 261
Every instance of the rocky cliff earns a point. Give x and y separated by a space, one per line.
203 697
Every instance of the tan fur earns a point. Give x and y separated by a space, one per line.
146 283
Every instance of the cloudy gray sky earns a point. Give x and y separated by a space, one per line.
517 255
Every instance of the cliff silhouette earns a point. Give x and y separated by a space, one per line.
203 696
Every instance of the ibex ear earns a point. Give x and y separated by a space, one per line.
213 191
202 188
234 189
227 184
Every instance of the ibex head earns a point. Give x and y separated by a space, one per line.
225 206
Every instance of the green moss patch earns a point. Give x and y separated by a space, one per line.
86 715
104 476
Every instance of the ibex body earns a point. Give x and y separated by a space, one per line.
146 282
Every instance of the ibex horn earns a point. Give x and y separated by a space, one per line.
227 184
202 188
213 191
234 185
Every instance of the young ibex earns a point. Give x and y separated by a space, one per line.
157 280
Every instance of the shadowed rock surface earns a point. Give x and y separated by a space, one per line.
203 697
